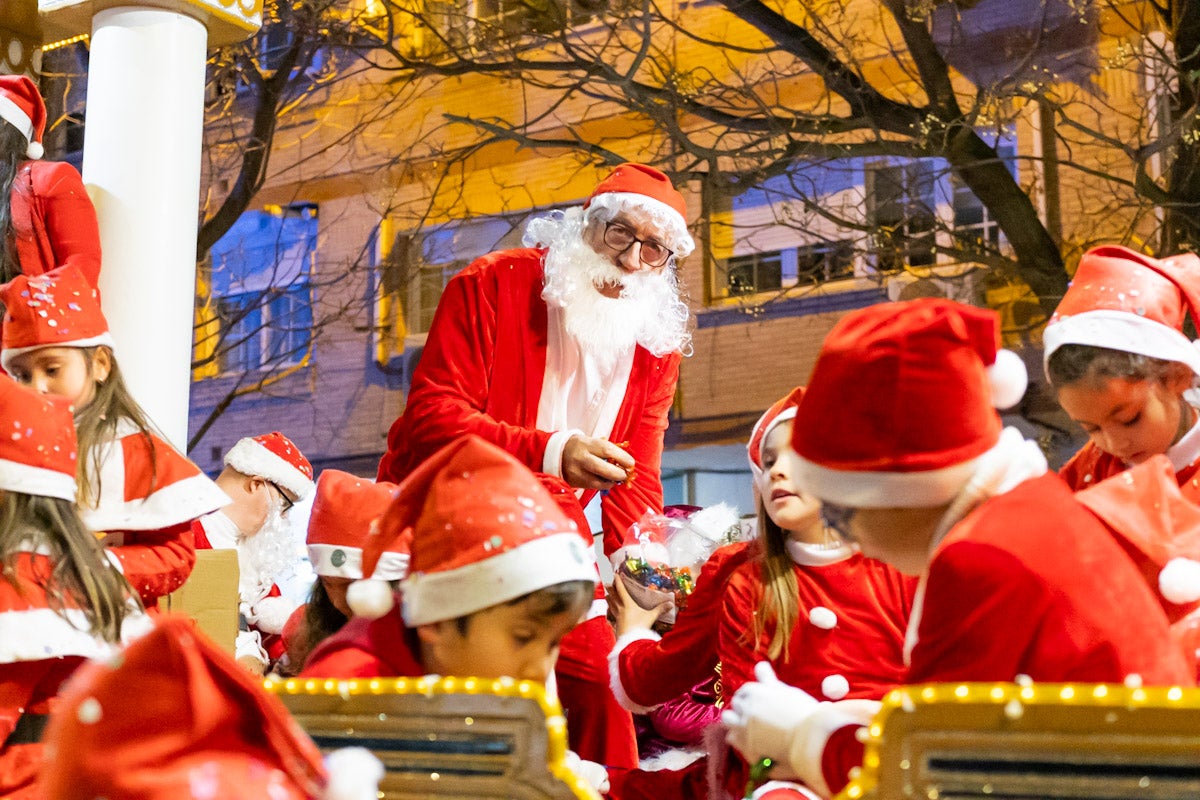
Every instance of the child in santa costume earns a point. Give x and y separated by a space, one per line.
46 217
264 476
61 601
135 489
175 717
898 437
345 514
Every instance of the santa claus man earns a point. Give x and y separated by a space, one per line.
566 355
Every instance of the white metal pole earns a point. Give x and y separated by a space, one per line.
141 163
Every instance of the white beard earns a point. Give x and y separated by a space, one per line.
265 558
649 310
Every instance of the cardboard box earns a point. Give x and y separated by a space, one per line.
210 596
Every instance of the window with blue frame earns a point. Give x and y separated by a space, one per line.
261 290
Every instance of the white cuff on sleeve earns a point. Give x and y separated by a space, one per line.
808 745
249 643
552 459
614 669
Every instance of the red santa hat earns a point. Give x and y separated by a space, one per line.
345 512
902 402
37 442
22 107
484 531
781 411
1123 300
646 189
56 309
273 457
175 716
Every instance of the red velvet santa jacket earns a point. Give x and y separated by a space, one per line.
1030 583
145 511
53 220
482 371
646 670
368 648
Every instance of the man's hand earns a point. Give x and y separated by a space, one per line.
590 463
628 615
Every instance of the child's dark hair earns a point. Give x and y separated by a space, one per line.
561 597
1074 362
321 620
97 424
12 155
80 571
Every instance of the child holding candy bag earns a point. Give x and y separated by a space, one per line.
134 488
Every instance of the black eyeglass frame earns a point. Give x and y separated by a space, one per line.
288 503
621 248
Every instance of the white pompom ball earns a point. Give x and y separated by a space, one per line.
35 150
354 774
370 598
1008 379
1179 580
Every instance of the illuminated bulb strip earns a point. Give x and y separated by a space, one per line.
83 37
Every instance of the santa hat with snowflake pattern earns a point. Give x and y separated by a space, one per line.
22 107
201 726
901 403
483 531
273 457
1123 300
56 309
37 442
345 512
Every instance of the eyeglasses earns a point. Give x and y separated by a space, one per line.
837 519
287 501
620 238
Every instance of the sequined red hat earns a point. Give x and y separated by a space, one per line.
37 442
273 457
1124 300
345 511
56 309
22 107
483 531
902 402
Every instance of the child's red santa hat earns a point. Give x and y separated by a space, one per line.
781 411
37 442
56 309
273 457
646 189
345 512
484 531
174 716
1123 300
902 402
22 107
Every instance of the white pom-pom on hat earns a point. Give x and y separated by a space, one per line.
354 774
370 599
35 150
1179 581
1008 379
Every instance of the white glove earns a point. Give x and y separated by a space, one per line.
595 774
269 614
764 716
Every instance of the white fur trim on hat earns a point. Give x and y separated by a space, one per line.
14 115
28 479
1120 330
536 564
614 669
674 226
335 561
8 354
249 457
870 489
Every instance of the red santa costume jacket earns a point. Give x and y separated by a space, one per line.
39 649
53 220
1030 583
145 510
482 372
647 670
368 648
